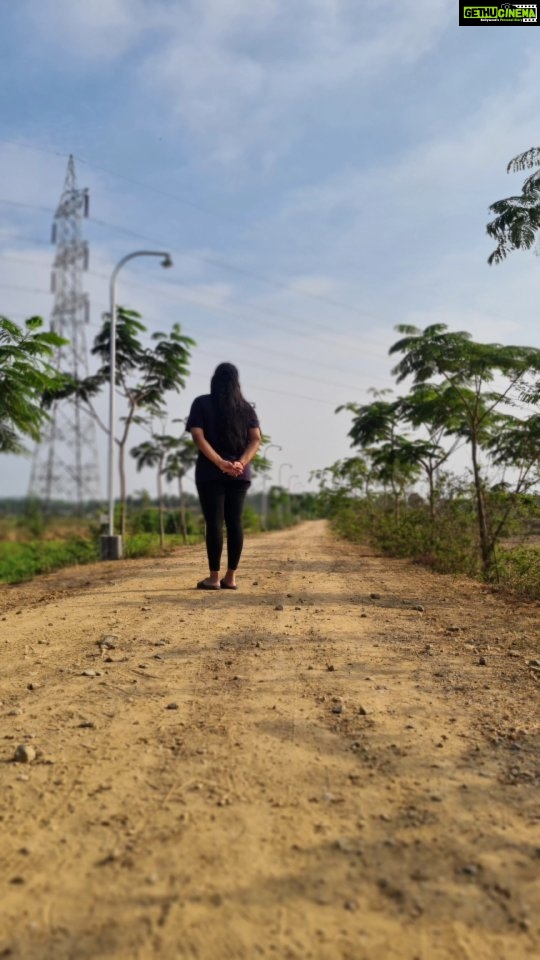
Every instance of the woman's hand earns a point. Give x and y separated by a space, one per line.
232 469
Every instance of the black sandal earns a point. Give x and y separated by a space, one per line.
227 586
202 585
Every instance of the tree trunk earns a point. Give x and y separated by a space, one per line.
161 505
123 499
122 470
431 482
395 498
183 524
486 550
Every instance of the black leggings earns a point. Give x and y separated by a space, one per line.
223 500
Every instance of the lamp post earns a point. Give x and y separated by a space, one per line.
264 493
279 485
281 468
294 476
111 545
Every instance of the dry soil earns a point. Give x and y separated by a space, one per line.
339 761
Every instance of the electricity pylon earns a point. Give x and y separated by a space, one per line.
65 464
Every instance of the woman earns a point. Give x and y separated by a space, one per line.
225 428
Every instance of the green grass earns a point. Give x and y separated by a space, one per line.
22 561
147 544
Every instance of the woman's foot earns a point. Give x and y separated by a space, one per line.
210 583
229 580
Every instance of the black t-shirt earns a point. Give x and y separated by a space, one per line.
202 415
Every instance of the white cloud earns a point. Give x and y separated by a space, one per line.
93 29
427 202
393 233
242 76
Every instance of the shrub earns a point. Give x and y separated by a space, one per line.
22 561
519 571
252 520
449 545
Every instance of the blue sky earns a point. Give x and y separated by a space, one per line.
321 170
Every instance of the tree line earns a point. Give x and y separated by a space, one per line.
145 375
482 397
478 397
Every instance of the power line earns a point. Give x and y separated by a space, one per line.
28 206
36 148
164 291
274 370
212 261
245 346
30 260
280 393
224 265
15 286
37 241
269 350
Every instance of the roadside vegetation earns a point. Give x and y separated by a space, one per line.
37 538
470 402
447 473
32 543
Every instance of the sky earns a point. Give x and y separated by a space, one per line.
320 171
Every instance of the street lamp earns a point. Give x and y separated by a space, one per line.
269 446
111 545
281 468
294 476
281 518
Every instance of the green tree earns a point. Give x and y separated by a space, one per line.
347 476
152 453
517 219
144 375
516 447
179 460
395 459
340 484
475 413
517 222
26 375
431 407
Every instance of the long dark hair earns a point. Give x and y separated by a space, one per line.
231 410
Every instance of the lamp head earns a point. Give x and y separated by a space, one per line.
167 261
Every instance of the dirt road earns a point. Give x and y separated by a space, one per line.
337 762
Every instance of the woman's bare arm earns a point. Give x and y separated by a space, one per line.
252 447
207 449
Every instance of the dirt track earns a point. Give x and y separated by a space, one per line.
298 770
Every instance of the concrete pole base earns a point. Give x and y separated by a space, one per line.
110 548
